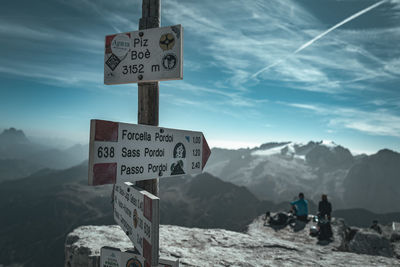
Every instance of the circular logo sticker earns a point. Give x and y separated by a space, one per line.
120 45
167 41
169 61
133 263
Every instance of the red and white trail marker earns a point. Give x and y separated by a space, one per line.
137 212
122 152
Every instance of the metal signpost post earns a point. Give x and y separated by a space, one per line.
148 93
121 153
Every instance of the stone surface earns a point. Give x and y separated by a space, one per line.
259 246
369 242
82 246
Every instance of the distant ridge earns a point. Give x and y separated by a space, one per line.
278 171
374 183
21 157
14 136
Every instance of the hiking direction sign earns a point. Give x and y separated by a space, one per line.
114 257
144 56
122 152
137 212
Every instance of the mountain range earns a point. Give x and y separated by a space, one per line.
39 210
20 157
279 171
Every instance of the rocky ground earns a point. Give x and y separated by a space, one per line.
259 246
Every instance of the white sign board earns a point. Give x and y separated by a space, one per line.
113 257
144 56
137 212
121 152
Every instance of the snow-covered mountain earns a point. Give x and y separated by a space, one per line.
279 171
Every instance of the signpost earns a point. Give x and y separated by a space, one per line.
113 257
144 56
137 212
121 152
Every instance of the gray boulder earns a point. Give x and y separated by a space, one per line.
370 242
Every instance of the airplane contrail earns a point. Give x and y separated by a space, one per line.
365 10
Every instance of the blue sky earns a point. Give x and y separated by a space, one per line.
251 74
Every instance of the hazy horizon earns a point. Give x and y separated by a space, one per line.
64 143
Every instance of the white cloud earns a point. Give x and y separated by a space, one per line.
216 96
92 43
378 122
239 38
60 76
242 38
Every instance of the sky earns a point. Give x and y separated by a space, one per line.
254 71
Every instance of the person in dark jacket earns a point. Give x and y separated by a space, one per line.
376 227
324 214
324 207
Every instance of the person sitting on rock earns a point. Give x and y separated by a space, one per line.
300 208
324 207
376 227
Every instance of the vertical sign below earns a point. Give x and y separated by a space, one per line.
137 212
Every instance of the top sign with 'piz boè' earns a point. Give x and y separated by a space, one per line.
144 56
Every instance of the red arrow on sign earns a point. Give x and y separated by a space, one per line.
206 153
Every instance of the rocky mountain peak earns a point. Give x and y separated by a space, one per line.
13 135
260 245
272 145
374 182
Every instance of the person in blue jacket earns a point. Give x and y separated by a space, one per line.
300 207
